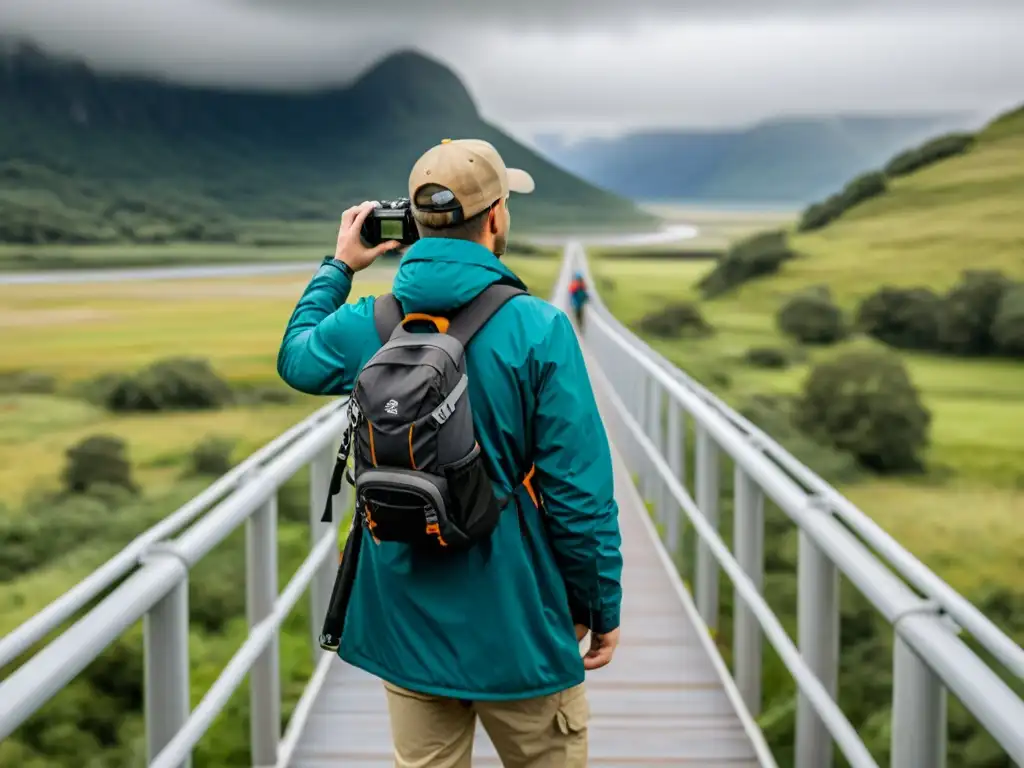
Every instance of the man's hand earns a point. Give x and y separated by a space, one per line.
602 648
350 249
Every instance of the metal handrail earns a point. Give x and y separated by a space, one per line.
71 602
916 573
157 592
180 747
936 656
838 725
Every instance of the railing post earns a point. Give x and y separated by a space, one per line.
706 573
320 471
748 535
653 428
261 593
165 638
674 457
818 637
918 712
640 414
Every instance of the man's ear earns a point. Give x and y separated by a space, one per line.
492 220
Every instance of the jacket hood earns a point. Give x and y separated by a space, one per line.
439 275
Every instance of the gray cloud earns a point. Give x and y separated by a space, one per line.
579 65
601 12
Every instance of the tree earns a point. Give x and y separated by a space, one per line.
905 318
756 256
969 311
866 404
1008 326
675 320
98 460
812 318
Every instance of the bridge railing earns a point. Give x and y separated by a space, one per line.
157 592
653 402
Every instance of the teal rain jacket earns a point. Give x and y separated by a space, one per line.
493 622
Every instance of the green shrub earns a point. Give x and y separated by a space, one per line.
906 318
26 383
818 215
45 531
211 456
720 379
767 357
930 152
99 459
263 394
174 384
812 318
111 495
864 403
774 415
969 313
757 256
674 320
862 188
217 584
1008 326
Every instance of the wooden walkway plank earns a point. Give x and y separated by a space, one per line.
660 702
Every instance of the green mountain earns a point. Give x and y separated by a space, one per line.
89 157
785 161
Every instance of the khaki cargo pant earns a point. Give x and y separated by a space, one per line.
436 732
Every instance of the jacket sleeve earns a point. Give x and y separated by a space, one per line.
574 473
327 340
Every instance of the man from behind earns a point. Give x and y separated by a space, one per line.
490 632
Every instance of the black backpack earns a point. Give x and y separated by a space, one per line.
420 475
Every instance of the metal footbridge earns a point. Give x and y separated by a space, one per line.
668 698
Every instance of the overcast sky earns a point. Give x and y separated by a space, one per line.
583 67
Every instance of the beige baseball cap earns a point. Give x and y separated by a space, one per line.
466 174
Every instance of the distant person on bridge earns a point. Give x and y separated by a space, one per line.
579 297
491 631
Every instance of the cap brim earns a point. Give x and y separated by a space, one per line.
520 181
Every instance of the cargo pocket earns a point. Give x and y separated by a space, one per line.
571 720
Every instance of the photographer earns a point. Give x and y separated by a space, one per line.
486 632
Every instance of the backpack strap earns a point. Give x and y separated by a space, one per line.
474 315
387 315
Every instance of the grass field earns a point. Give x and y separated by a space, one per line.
74 332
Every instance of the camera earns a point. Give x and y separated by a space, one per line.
391 220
